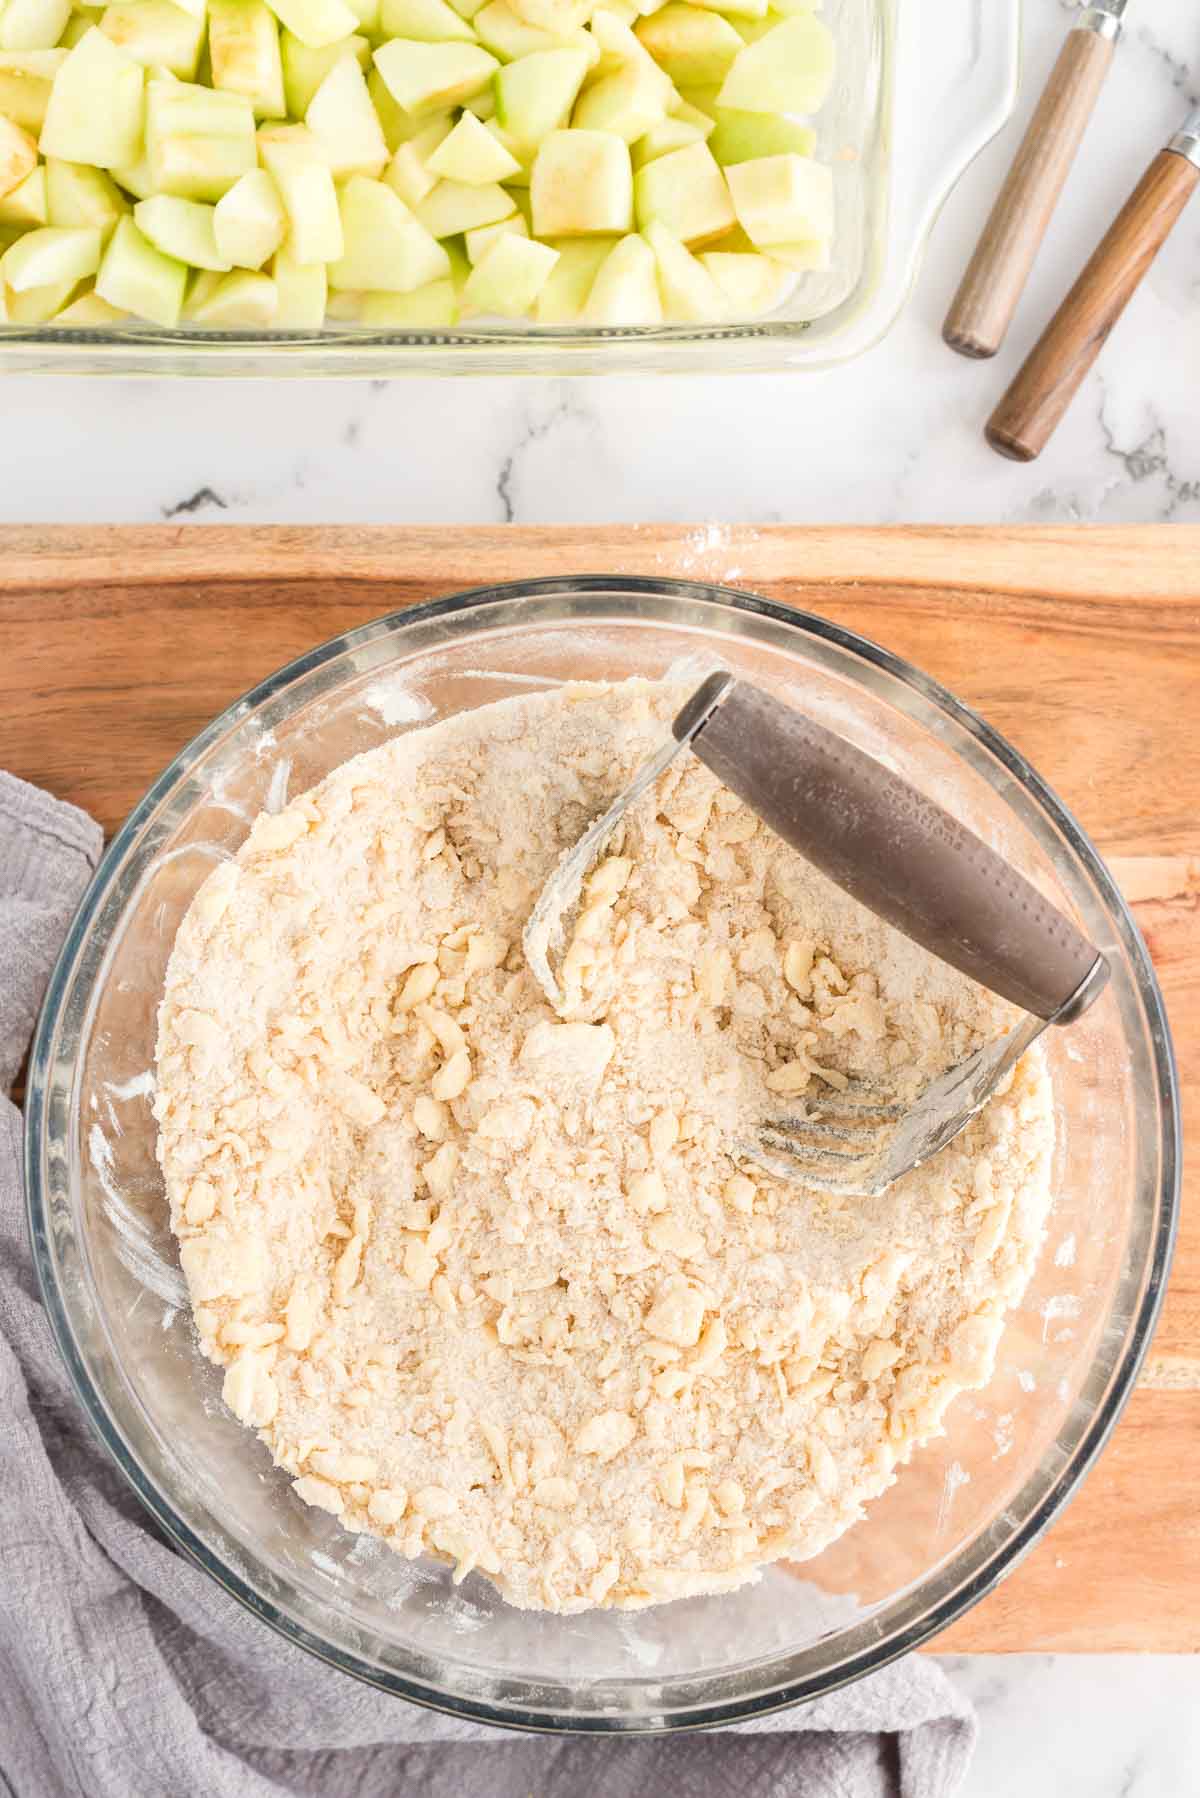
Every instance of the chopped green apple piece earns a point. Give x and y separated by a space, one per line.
805 258
25 204
51 255
407 175
522 157
78 195
199 140
388 249
582 185
37 305
625 291
783 199
471 153
408 172
304 70
202 284
508 36
736 242
243 48
694 47
564 296
692 115
89 312
425 78
534 96
424 21
629 103
482 105
559 17
618 46
135 277
76 27
689 293
397 125
302 293
249 222
789 70
242 300
750 30
136 179
366 12
508 280
296 161
181 228
18 155
460 267
316 22
746 136
670 134
97 106
456 206
26 77
687 192
478 242
156 33
33 24
701 98
431 307
736 9
346 124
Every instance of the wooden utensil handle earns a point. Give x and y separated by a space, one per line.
1031 410
983 309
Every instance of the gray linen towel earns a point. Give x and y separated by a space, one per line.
126 1673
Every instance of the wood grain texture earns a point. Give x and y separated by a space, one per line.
1032 409
1083 647
983 308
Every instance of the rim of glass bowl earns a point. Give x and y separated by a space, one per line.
909 1617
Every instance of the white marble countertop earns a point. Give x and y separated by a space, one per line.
893 438
1082 1726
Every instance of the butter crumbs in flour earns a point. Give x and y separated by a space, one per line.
496 1285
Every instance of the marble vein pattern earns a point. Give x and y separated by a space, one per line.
892 438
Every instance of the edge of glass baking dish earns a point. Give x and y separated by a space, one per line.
946 73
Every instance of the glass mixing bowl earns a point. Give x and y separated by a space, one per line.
960 1516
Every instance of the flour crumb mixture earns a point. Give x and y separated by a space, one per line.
497 1285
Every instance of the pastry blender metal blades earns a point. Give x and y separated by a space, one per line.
907 860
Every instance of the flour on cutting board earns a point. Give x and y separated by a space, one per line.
709 552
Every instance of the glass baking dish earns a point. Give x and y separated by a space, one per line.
922 86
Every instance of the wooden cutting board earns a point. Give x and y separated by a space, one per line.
1082 646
